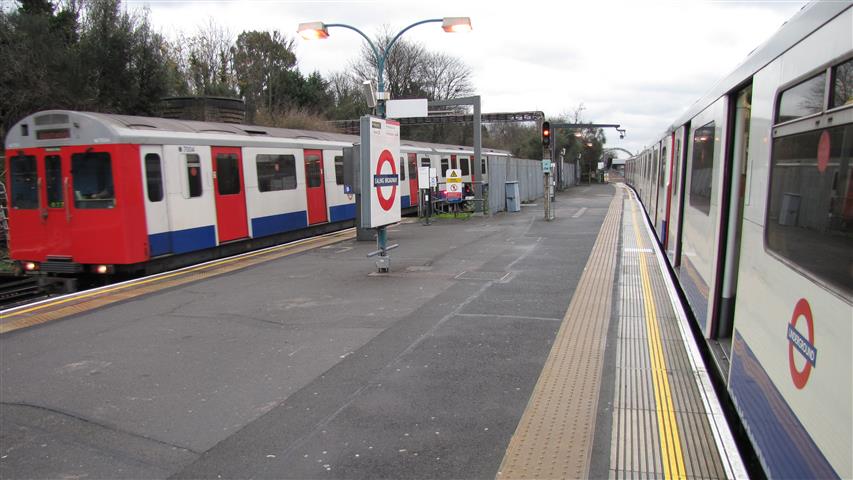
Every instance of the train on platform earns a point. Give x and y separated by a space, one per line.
102 194
750 194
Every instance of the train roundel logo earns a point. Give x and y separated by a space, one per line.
804 346
381 180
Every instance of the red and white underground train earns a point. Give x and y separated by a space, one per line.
751 196
99 193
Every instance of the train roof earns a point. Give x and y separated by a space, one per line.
65 127
811 17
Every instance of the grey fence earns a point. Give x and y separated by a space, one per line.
528 174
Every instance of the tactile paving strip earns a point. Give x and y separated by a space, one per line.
660 427
28 316
555 434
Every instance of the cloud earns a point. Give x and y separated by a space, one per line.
640 64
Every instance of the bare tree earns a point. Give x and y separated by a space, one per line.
207 61
412 71
445 77
401 65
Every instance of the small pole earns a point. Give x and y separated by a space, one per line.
383 264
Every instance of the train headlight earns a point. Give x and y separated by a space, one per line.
31 266
103 269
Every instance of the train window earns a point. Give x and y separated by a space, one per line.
805 98
810 212
92 175
227 174
154 177
663 161
278 172
193 174
413 166
24 187
425 162
313 170
463 164
53 181
702 168
677 161
339 169
842 85
402 168
445 164
483 165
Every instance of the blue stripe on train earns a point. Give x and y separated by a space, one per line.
695 289
159 243
785 448
339 213
182 241
284 222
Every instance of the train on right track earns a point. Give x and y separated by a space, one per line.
750 193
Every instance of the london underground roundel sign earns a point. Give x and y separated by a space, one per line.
380 151
800 345
382 180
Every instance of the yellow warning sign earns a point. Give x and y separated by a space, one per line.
454 175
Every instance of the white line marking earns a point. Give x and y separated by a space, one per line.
579 212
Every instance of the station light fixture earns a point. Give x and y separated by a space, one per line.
456 24
313 30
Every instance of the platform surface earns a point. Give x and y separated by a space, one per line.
313 366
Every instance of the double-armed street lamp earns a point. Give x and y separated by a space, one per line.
320 30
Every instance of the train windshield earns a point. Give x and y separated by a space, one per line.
92 175
24 187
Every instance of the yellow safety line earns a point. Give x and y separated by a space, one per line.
164 276
672 456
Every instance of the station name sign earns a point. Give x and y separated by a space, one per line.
380 180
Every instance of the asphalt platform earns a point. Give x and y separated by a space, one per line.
309 366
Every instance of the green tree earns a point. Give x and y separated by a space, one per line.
259 58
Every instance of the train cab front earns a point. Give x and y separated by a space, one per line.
72 209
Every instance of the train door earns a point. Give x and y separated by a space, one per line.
156 210
652 206
231 218
314 188
56 215
660 189
734 203
673 249
413 179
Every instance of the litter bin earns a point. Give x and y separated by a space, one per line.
513 200
790 209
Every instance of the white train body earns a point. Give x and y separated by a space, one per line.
753 204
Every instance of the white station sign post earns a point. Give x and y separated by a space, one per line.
380 189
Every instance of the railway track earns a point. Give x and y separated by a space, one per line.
16 291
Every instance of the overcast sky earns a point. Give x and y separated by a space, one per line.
636 63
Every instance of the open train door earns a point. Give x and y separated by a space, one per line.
315 187
231 217
414 193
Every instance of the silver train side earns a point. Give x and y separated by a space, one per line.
93 193
751 196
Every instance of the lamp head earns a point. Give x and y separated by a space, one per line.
456 24
313 30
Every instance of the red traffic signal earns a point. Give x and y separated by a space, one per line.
546 134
